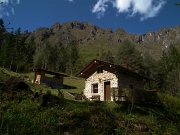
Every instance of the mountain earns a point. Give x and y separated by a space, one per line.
89 35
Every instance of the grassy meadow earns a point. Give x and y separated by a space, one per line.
72 117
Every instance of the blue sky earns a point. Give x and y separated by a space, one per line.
134 16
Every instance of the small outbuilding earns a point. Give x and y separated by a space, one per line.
54 79
103 77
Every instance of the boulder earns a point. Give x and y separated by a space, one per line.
47 99
15 85
1 84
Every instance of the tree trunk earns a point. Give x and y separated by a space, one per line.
11 63
17 68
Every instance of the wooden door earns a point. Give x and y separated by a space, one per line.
107 93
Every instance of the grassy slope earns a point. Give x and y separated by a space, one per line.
73 117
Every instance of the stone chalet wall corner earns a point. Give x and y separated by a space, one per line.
100 78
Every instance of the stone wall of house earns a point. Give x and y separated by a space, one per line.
100 78
125 81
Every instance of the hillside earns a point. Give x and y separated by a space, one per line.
28 116
93 39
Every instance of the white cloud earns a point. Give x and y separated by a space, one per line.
70 0
12 10
18 1
145 8
5 1
7 14
7 6
100 8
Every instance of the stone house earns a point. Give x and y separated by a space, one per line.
54 79
102 77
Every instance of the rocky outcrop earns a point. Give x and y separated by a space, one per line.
55 27
166 36
77 25
41 34
15 85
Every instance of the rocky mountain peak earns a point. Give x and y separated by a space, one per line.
77 25
55 27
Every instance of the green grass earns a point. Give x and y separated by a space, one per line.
89 53
28 117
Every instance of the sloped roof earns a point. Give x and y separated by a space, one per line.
96 62
49 72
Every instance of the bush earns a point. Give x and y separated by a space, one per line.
48 92
169 101
60 94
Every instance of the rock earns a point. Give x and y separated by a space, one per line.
120 32
1 84
41 34
77 25
78 97
108 30
47 99
55 27
15 85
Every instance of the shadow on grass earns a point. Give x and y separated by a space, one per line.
83 103
68 87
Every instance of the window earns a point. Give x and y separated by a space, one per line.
100 70
131 86
124 73
95 88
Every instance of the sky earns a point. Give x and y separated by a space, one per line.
134 16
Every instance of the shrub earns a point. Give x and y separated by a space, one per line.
48 92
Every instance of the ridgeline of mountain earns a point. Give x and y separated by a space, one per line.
85 33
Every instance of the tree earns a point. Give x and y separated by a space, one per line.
107 56
129 57
43 58
149 65
172 82
73 57
16 52
52 58
169 75
2 30
63 58
19 48
30 51
9 51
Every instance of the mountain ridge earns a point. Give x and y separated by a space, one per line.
85 33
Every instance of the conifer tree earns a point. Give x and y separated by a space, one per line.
169 75
107 56
129 57
74 56
30 51
2 30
